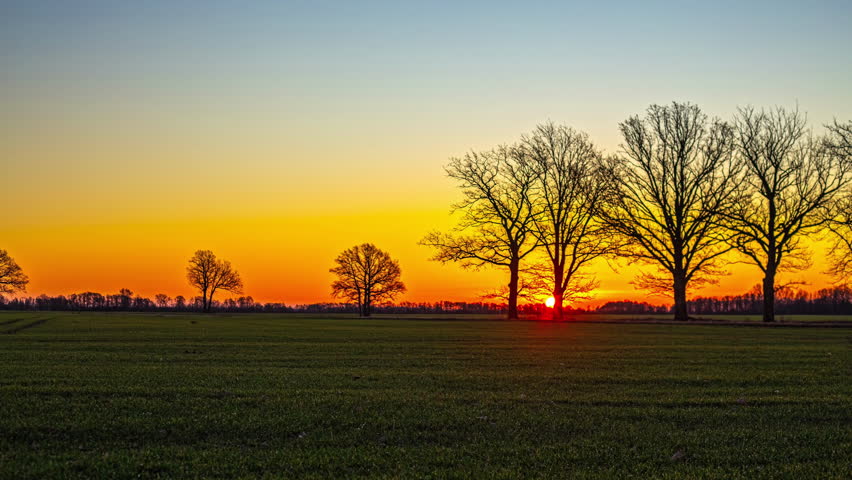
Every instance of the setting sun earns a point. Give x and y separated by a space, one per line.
550 302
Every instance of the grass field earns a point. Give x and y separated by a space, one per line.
162 396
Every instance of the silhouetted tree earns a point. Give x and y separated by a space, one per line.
790 180
12 278
90 300
245 302
839 216
366 276
180 302
162 300
124 298
568 192
673 178
208 274
142 304
497 224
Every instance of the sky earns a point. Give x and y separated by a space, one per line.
278 134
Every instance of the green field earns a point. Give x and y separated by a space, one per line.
163 396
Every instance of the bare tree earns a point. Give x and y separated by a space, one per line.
496 228
670 183
565 203
124 298
840 224
162 300
12 278
790 179
366 276
839 216
839 140
208 274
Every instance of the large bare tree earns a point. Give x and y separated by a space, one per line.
669 184
209 274
790 180
839 216
569 191
496 227
366 276
840 224
12 278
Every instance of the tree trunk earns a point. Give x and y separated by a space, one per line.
512 308
771 264
681 314
367 304
557 306
210 300
558 289
769 296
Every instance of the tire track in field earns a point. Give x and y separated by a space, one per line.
18 328
16 320
9 322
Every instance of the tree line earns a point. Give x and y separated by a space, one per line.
836 300
205 272
127 301
685 196
789 301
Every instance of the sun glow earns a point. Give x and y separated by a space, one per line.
550 302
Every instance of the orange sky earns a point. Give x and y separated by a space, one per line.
281 258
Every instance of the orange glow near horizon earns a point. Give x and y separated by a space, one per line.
286 258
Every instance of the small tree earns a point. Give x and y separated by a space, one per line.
366 276
12 278
208 274
162 300
125 297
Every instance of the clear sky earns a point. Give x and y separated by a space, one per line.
279 133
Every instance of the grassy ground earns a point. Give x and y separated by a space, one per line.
131 395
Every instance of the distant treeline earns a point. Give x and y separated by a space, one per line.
826 301
127 302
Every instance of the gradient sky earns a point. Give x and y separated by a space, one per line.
279 133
